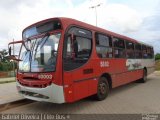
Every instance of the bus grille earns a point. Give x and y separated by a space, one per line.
32 94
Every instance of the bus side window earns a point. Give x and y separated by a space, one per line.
130 50
104 46
147 52
144 52
138 49
77 50
150 52
119 48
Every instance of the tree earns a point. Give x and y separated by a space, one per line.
157 56
5 63
3 56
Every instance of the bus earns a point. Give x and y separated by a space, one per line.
62 60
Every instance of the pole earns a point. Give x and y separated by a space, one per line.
96 15
95 7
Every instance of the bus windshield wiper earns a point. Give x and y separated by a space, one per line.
40 42
29 49
26 44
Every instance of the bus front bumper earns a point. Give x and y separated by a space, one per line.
53 93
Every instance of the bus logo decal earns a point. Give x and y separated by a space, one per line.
133 64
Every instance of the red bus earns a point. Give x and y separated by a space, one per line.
64 60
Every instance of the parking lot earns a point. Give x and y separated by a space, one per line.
128 99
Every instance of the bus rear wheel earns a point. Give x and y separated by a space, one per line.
144 77
102 89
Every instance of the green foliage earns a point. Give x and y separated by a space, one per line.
157 56
6 66
5 63
157 65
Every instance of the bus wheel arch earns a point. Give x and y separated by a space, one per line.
145 68
108 78
144 75
103 87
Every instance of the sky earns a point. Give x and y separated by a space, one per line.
136 19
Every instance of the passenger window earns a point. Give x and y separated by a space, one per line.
77 49
150 52
129 45
130 50
119 48
144 52
104 46
138 53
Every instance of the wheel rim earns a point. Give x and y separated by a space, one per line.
102 88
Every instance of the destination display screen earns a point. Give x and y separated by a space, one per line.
42 28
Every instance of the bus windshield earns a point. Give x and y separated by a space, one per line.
42 54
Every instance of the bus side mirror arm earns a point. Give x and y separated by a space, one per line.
9 51
13 57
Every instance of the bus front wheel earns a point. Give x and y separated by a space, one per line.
102 89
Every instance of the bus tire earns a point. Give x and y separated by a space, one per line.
102 89
144 77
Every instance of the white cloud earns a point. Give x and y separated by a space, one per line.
116 16
122 17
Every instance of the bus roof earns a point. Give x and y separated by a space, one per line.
69 21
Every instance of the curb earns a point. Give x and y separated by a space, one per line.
3 82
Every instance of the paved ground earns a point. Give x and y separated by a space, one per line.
131 98
8 93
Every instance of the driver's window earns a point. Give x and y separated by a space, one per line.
69 48
83 46
77 50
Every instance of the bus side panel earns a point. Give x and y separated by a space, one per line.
85 88
92 86
69 93
124 71
85 84
149 64
117 68
80 90
124 78
68 87
80 84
